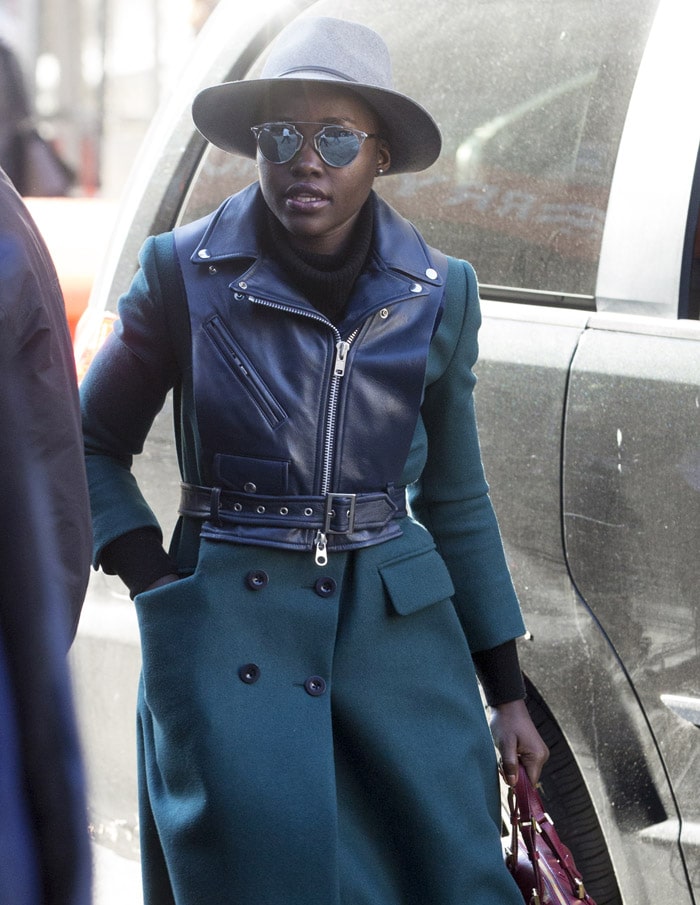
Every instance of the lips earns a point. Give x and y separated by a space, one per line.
305 197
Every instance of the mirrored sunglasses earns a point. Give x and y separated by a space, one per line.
337 146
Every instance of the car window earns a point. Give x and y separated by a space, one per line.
531 96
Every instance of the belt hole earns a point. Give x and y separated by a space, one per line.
308 511
284 510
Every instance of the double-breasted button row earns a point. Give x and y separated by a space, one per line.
257 579
314 685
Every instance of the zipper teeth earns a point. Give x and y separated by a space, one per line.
332 412
298 311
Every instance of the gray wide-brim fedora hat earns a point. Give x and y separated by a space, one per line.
322 50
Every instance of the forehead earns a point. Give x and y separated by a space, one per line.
318 103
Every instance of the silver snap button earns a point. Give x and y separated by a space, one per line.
243 285
203 254
212 269
384 313
431 274
416 287
249 487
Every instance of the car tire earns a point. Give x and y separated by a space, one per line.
566 799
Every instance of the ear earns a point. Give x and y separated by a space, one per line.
383 157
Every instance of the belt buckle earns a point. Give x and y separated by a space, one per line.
334 502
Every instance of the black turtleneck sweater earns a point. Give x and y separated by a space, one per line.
326 281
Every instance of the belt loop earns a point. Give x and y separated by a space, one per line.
215 506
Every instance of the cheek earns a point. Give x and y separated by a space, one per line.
267 177
358 184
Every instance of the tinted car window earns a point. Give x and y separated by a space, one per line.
531 96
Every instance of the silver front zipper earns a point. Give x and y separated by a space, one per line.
342 350
321 547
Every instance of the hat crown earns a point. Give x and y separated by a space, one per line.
330 49
321 51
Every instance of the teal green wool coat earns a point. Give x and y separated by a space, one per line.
318 737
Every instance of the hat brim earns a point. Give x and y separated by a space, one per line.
224 114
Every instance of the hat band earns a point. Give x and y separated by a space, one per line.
322 71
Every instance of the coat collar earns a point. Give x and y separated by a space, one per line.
232 233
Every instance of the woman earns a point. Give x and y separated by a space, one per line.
310 725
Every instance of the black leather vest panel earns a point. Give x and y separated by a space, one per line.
276 419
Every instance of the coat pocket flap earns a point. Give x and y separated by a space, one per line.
416 581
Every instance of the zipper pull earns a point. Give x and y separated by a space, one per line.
321 553
341 354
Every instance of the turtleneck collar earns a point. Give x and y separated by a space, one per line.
326 280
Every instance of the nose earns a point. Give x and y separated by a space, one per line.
307 158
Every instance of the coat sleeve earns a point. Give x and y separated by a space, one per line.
451 496
123 391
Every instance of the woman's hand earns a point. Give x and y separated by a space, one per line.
163 580
517 739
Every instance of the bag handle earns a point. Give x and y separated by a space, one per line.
529 818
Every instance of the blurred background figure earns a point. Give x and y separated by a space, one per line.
31 162
45 560
13 112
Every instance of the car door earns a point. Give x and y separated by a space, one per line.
631 510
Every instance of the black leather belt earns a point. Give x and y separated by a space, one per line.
334 513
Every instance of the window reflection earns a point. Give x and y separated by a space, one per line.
531 96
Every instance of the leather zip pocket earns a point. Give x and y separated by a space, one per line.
242 367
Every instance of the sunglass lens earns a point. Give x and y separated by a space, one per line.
337 146
278 143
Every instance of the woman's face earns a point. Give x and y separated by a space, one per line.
317 203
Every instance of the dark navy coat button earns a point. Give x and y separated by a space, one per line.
250 673
315 686
324 587
256 579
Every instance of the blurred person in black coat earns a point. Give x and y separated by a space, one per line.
44 566
32 163
14 115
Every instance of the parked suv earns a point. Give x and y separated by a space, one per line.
569 178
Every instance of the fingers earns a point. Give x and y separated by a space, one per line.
533 760
510 772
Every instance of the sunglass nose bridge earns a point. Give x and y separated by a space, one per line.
336 145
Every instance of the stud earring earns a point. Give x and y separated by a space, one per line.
380 171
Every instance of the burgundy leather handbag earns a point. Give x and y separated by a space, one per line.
543 867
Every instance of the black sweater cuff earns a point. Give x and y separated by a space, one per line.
499 673
138 558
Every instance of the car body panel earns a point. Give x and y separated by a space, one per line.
631 511
565 651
